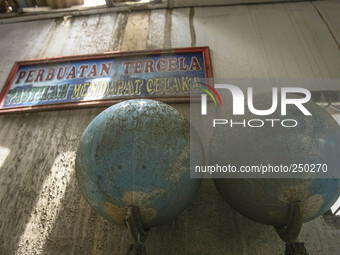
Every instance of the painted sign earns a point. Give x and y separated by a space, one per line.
79 81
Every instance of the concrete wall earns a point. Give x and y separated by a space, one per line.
41 208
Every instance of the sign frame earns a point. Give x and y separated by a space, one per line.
98 102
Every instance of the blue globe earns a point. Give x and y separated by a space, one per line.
315 140
137 153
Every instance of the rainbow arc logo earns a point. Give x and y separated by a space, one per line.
209 93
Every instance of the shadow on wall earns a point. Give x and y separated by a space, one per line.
33 143
79 230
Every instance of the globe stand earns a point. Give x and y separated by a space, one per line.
290 233
139 234
296 248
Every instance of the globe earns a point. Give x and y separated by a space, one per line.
137 153
315 140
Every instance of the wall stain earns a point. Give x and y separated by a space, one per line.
49 35
148 46
98 22
167 30
325 22
192 28
117 36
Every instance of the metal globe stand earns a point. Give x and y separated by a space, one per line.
290 233
138 233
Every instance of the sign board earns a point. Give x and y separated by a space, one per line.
92 80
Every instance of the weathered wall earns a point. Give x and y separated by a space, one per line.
42 210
